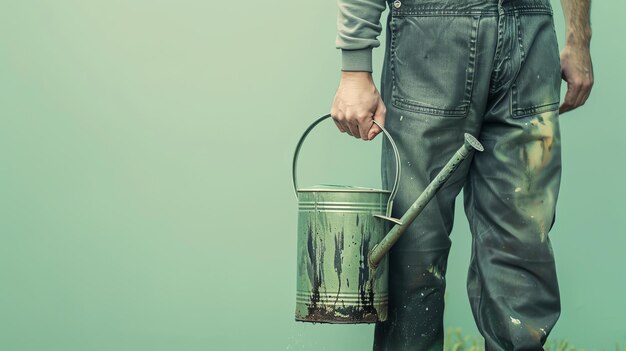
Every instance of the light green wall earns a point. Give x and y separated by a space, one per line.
145 192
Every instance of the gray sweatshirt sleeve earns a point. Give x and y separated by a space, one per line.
358 26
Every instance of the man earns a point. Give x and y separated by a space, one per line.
490 68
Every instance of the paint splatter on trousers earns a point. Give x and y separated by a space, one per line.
490 68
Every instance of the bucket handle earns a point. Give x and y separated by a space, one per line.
394 190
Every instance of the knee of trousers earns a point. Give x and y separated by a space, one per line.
417 272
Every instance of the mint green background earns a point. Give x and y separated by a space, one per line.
145 192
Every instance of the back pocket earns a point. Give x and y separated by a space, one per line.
537 87
433 63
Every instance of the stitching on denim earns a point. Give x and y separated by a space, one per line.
513 104
514 94
471 72
408 105
527 111
432 13
519 39
535 11
424 11
495 83
514 100
392 56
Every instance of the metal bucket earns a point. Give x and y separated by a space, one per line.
337 230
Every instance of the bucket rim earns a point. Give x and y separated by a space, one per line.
342 189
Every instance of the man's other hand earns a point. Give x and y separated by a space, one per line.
577 71
357 104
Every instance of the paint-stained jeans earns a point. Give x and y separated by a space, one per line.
490 68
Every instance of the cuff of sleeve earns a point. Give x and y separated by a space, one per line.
356 60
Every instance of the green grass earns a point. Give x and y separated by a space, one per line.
456 341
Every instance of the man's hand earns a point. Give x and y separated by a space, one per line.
577 71
357 104
576 68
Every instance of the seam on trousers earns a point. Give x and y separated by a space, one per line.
477 265
494 82
469 93
520 42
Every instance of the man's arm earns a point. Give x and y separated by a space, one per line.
357 102
358 27
576 67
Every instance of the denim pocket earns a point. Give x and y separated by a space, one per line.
537 87
433 63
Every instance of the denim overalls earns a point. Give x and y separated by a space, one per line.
490 68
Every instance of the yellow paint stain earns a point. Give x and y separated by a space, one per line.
537 153
515 321
533 204
434 271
